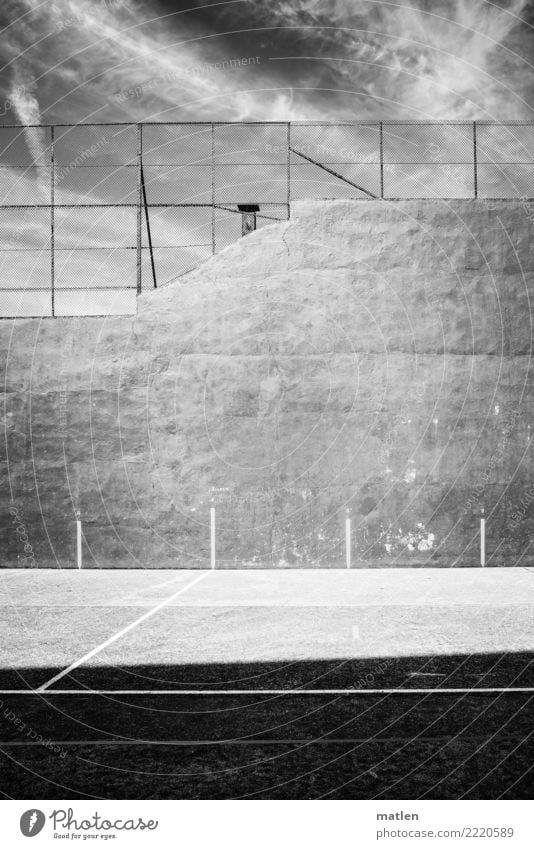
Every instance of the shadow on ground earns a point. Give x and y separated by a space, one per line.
272 745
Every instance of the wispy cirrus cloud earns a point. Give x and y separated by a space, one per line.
79 55
315 59
455 59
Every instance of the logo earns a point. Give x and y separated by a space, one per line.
32 822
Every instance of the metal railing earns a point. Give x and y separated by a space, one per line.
92 215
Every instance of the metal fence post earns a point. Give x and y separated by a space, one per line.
288 169
139 205
475 175
52 223
381 160
213 188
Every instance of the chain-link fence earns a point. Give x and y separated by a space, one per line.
93 215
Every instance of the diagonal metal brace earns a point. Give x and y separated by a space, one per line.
334 173
149 234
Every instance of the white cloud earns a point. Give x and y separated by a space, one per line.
441 60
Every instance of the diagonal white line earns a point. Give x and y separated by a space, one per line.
120 634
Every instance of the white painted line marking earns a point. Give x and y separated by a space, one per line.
408 691
482 542
212 536
79 543
348 551
254 741
120 634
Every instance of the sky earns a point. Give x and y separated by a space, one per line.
80 62
72 60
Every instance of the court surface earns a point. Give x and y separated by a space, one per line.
404 683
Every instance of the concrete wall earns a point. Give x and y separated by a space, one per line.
371 355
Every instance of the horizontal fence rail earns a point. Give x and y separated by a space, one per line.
92 215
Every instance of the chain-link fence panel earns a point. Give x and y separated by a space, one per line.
177 144
180 240
178 226
335 161
171 264
95 227
25 282
403 181
91 215
25 186
26 303
505 181
254 184
25 146
177 184
25 229
428 160
505 160
95 145
95 269
250 163
95 164
89 185
25 221
505 143
250 144
430 143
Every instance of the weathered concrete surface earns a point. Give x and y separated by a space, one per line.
370 356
